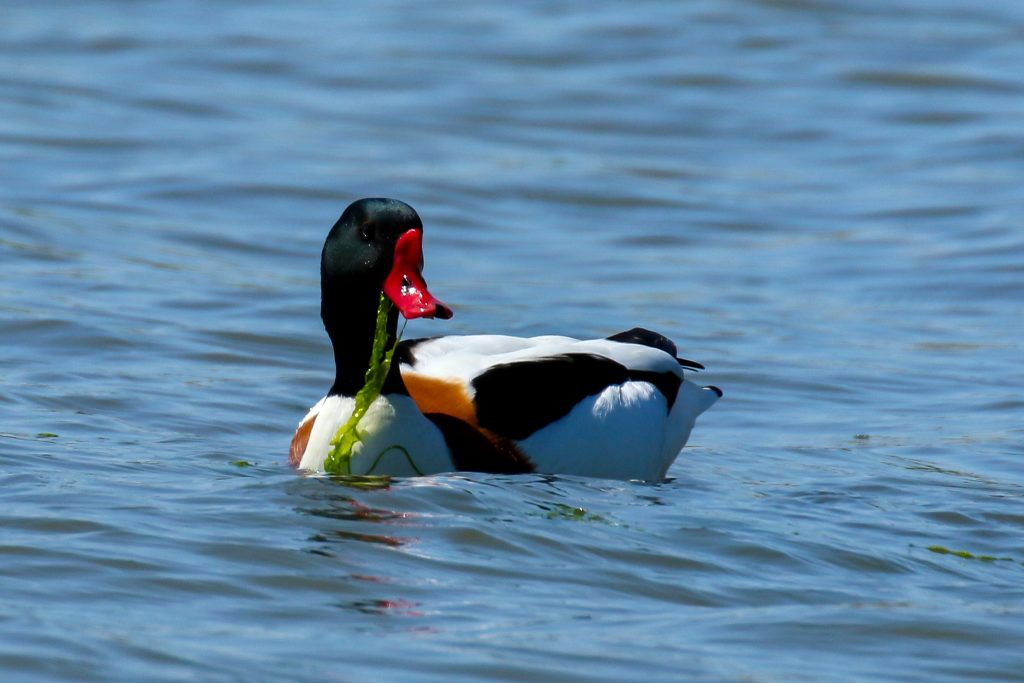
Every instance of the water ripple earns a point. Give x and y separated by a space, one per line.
819 201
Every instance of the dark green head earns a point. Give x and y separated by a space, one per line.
375 247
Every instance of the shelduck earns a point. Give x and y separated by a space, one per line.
616 408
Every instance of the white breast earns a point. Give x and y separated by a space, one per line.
395 438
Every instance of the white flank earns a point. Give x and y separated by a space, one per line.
624 432
616 434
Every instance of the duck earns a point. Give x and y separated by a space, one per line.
612 408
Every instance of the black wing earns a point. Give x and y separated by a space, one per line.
517 399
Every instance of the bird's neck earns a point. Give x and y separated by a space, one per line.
351 323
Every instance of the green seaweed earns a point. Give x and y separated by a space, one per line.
395 446
941 550
366 482
571 512
46 435
339 459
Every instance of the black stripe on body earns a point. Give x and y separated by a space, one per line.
472 451
406 351
517 399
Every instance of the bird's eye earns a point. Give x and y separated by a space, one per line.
366 231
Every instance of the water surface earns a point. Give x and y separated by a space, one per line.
819 201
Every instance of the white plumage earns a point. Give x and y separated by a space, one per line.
395 438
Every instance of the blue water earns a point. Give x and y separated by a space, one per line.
820 201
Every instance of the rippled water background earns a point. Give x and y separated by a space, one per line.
821 201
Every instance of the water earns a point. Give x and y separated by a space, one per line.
819 201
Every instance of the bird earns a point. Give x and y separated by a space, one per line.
613 408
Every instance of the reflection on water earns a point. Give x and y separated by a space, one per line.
819 201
